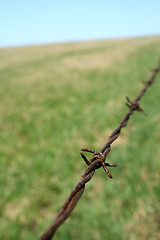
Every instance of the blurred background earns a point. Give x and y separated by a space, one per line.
65 70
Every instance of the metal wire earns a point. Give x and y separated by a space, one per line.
97 161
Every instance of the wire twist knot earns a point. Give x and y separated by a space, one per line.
97 156
134 105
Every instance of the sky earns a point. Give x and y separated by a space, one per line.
30 22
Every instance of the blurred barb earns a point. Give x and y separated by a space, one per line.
97 161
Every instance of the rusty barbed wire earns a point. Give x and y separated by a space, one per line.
97 161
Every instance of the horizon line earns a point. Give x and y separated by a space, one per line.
77 41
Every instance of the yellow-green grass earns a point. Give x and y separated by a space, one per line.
56 99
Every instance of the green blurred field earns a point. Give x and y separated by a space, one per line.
56 99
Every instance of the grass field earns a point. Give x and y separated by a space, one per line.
56 99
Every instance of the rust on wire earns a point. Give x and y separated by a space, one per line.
97 161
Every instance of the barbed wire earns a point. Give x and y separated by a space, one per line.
97 161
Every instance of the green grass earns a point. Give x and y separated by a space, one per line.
57 99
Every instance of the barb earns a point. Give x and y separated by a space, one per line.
97 161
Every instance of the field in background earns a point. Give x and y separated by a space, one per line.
56 99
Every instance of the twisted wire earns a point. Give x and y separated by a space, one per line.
97 161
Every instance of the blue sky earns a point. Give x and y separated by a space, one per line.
25 22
